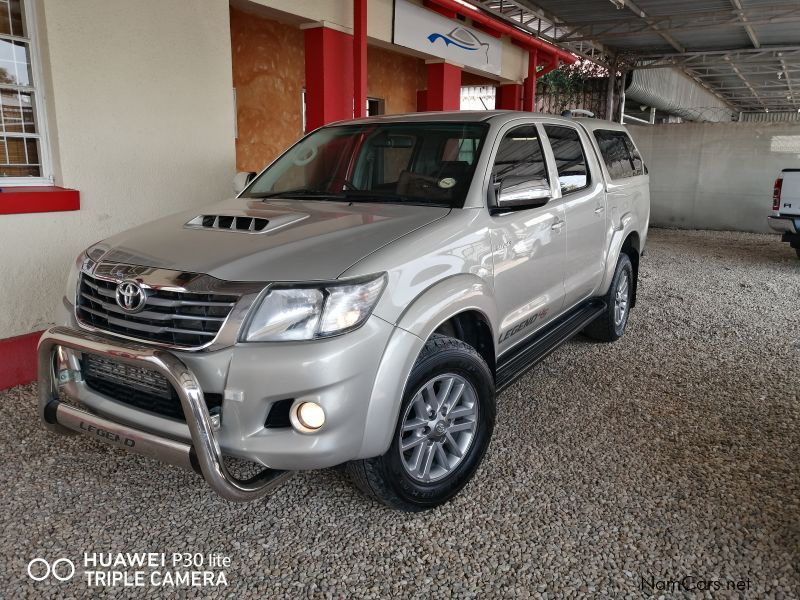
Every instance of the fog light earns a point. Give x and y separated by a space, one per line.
309 416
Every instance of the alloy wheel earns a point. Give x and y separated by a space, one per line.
438 427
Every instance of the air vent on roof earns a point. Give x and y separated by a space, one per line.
229 223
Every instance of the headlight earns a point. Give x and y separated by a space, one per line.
310 312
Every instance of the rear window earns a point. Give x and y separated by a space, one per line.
570 159
620 155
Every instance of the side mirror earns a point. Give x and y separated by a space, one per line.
516 192
241 181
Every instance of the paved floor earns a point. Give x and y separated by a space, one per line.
614 469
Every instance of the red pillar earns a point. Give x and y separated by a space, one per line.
329 76
360 58
422 100
509 97
529 99
444 87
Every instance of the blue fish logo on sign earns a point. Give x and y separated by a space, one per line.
461 38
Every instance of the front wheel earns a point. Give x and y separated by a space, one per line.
610 325
444 427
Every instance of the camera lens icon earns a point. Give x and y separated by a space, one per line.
62 569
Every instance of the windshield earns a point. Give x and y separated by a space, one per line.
414 163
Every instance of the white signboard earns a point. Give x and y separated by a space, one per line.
421 29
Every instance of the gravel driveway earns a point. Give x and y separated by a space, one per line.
674 451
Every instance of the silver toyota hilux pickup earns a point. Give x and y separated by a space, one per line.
360 303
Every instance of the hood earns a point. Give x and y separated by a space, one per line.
277 240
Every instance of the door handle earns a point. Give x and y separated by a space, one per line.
557 225
599 210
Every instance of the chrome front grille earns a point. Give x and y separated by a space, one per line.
177 318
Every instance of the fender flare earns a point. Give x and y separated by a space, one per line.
415 325
615 248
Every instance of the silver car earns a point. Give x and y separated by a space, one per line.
360 303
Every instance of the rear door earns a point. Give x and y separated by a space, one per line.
584 202
628 185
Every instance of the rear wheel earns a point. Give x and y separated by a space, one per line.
798 251
444 427
610 325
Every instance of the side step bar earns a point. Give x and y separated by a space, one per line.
202 455
522 358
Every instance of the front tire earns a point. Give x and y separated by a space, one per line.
443 430
610 325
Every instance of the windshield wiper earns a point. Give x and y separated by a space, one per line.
300 193
367 197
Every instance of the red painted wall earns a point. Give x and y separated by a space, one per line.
18 360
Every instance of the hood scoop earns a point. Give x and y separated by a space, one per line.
244 223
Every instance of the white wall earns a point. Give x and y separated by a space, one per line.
715 175
141 108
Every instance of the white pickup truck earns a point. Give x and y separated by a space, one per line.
785 217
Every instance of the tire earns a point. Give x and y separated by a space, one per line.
798 252
392 478
608 327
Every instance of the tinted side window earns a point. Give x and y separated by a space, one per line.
573 173
520 155
636 158
615 148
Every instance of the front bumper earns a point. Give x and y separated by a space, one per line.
203 454
783 224
347 375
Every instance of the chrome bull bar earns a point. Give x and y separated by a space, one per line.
202 455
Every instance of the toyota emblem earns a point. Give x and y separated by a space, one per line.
130 297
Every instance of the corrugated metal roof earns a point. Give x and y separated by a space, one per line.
737 47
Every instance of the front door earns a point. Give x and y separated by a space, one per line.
528 245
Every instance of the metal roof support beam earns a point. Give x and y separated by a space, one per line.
733 17
750 32
750 55
630 5
538 23
747 83
789 84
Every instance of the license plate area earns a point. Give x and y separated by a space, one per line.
138 378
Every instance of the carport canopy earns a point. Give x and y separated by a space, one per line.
746 52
